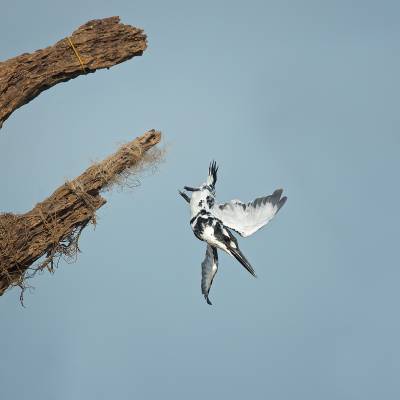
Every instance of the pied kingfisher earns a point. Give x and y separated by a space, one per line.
211 222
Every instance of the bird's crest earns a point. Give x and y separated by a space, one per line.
212 175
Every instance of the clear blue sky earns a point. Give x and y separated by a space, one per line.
299 95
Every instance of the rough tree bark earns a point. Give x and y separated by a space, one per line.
97 44
35 240
52 227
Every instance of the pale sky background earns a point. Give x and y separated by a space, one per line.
299 95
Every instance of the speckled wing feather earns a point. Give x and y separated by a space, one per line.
249 218
209 268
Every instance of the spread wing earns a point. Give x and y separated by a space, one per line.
209 268
249 218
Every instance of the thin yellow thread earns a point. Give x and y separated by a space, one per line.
76 53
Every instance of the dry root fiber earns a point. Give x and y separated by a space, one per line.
52 228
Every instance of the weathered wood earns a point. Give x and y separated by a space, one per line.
99 43
52 227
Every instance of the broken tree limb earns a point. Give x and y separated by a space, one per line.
52 227
97 44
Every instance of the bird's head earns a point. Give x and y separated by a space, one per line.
189 189
206 188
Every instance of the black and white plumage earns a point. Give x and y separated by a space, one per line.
211 222
248 218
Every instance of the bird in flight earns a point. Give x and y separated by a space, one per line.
212 222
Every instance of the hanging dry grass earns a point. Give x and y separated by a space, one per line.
52 228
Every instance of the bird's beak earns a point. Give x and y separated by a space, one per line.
190 189
185 196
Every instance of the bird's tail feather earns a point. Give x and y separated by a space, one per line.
242 259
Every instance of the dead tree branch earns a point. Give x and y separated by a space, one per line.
52 227
97 44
